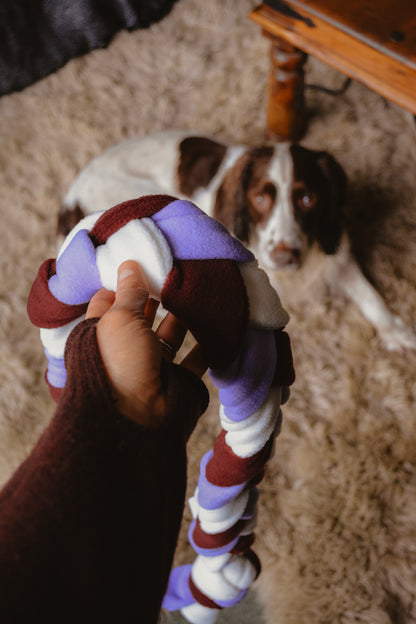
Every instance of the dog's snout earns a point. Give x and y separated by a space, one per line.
284 255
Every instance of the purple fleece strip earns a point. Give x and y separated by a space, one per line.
247 514
178 594
227 375
246 393
212 496
56 372
77 277
210 552
198 237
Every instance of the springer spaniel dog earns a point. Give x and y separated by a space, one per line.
285 202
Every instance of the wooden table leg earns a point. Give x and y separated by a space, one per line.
285 108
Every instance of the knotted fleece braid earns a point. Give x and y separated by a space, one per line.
210 281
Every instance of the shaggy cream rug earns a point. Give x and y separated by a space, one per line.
337 521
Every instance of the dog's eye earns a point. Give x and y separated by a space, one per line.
308 200
261 201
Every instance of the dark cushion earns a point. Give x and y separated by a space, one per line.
37 37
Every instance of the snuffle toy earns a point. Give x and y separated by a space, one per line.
210 281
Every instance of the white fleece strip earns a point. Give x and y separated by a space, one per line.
247 437
266 310
226 584
214 521
193 504
87 223
196 509
54 340
215 564
139 240
212 584
240 572
198 614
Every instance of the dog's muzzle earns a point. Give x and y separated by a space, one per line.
283 256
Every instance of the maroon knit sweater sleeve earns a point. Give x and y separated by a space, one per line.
89 522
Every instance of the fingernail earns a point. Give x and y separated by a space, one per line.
125 270
124 273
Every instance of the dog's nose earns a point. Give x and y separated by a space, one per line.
285 256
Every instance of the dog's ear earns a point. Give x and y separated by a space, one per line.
199 161
231 201
331 220
68 218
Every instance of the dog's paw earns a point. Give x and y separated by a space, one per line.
398 336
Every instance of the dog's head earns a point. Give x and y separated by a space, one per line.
280 200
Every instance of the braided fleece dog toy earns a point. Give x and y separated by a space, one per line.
210 281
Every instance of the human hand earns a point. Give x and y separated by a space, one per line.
131 351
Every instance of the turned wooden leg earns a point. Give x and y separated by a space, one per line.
285 109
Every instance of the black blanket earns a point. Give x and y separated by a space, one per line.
37 37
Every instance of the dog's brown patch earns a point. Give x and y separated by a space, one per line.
235 204
318 196
68 218
200 159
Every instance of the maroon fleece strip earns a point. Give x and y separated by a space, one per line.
225 468
55 393
202 598
209 297
43 308
114 219
285 372
244 543
216 540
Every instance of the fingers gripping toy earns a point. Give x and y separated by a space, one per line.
210 281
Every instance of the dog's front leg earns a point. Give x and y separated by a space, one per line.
395 335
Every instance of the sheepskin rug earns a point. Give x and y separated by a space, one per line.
337 517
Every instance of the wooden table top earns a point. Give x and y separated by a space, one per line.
386 25
372 41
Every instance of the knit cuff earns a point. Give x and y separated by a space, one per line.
86 375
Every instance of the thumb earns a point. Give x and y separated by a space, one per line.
132 287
